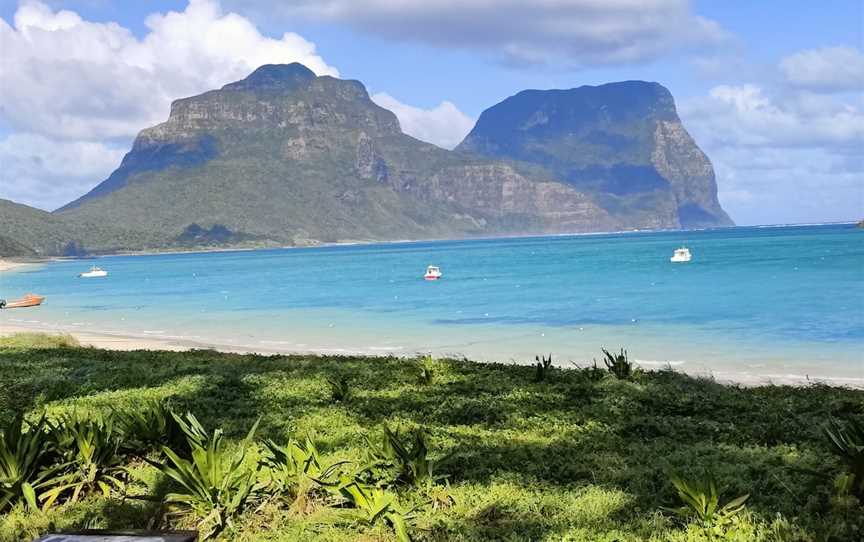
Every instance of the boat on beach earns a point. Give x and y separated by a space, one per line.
432 273
29 300
93 273
681 255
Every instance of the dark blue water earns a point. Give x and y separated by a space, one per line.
750 296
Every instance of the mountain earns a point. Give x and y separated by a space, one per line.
621 143
26 231
284 157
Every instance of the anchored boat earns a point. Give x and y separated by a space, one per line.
29 300
432 273
681 255
94 272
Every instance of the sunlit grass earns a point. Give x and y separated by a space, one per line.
579 456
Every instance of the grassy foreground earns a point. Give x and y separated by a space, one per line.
581 455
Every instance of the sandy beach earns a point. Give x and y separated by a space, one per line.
9 265
121 342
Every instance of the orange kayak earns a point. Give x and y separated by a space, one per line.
29 300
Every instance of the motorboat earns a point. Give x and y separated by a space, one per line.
93 273
29 300
681 255
432 273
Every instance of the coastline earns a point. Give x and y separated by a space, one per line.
10 264
126 342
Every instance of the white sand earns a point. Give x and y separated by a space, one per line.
124 342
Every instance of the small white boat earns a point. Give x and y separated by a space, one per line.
681 255
93 273
432 273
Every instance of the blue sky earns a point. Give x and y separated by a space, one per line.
772 91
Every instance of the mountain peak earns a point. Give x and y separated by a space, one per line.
272 76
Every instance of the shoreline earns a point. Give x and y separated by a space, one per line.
11 264
126 342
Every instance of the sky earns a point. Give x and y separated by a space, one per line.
772 91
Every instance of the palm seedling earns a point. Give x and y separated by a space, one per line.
214 484
701 501
427 370
618 364
847 442
371 505
542 366
400 461
24 461
89 450
149 427
340 389
291 469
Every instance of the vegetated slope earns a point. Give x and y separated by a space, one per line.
27 231
33 232
581 455
623 143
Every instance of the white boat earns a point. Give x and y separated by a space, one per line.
432 273
93 273
681 255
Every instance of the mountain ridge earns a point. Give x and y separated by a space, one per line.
285 157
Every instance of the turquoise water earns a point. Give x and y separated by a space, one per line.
761 301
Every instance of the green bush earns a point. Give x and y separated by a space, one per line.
395 460
150 426
291 471
215 483
542 367
89 451
701 502
371 505
847 442
24 461
340 389
618 364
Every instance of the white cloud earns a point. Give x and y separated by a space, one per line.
572 32
47 173
66 77
444 125
827 69
793 157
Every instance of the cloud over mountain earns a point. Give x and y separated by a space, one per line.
444 125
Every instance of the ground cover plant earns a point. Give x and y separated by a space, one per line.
479 452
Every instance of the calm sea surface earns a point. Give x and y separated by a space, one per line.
762 301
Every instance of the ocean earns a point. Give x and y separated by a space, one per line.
755 302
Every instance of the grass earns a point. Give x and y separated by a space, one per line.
580 457
38 340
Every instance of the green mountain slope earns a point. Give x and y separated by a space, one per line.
622 143
284 157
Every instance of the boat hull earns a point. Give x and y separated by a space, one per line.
93 274
29 300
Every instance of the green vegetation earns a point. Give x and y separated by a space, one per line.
38 340
480 452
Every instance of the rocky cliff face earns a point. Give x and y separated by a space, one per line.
621 143
285 157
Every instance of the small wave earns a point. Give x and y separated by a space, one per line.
153 332
386 348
